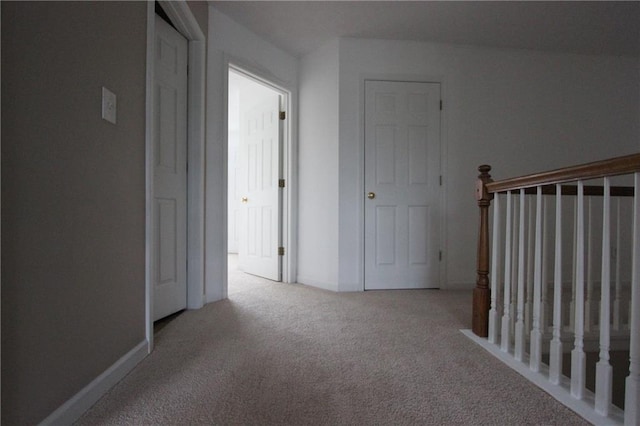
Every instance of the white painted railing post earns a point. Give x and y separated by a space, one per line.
535 355
572 304
588 309
632 390
617 311
514 266
528 304
555 352
578 368
519 343
604 371
544 308
506 307
495 274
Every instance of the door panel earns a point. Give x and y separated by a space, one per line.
259 173
385 235
170 172
419 227
402 169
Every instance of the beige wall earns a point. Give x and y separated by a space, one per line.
73 198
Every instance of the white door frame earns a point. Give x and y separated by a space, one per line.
442 222
288 171
183 19
0 215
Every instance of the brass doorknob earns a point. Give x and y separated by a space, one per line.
371 195
245 199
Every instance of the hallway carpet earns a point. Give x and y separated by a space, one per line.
289 354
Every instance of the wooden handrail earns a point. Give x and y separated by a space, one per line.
611 167
588 190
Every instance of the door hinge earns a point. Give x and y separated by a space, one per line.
440 256
283 115
281 183
280 251
440 104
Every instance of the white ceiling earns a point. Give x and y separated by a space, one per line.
299 27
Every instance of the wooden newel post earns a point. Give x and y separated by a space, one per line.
481 294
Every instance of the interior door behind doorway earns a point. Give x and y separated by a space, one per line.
170 172
258 178
402 184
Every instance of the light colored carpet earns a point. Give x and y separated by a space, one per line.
240 282
289 354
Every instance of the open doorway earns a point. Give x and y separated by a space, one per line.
256 170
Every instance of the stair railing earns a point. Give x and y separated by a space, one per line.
511 306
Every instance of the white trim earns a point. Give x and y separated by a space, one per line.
195 175
442 268
289 171
583 407
317 284
182 17
444 151
149 193
0 208
71 410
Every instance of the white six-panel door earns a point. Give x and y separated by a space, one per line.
170 172
259 172
402 184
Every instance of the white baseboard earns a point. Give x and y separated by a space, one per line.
71 410
315 283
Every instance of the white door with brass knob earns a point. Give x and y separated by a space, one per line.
258 180
402 185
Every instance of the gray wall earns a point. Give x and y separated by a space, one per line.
200 10
521 111
73 198
318 148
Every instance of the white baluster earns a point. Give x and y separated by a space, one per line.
555 353
572 304
632 390
588 314
604 371
519 343
506 308
617 311
514 266
629 307
577 355
528 306
495 274
535 355
544 309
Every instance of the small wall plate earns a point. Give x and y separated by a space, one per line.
108 105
